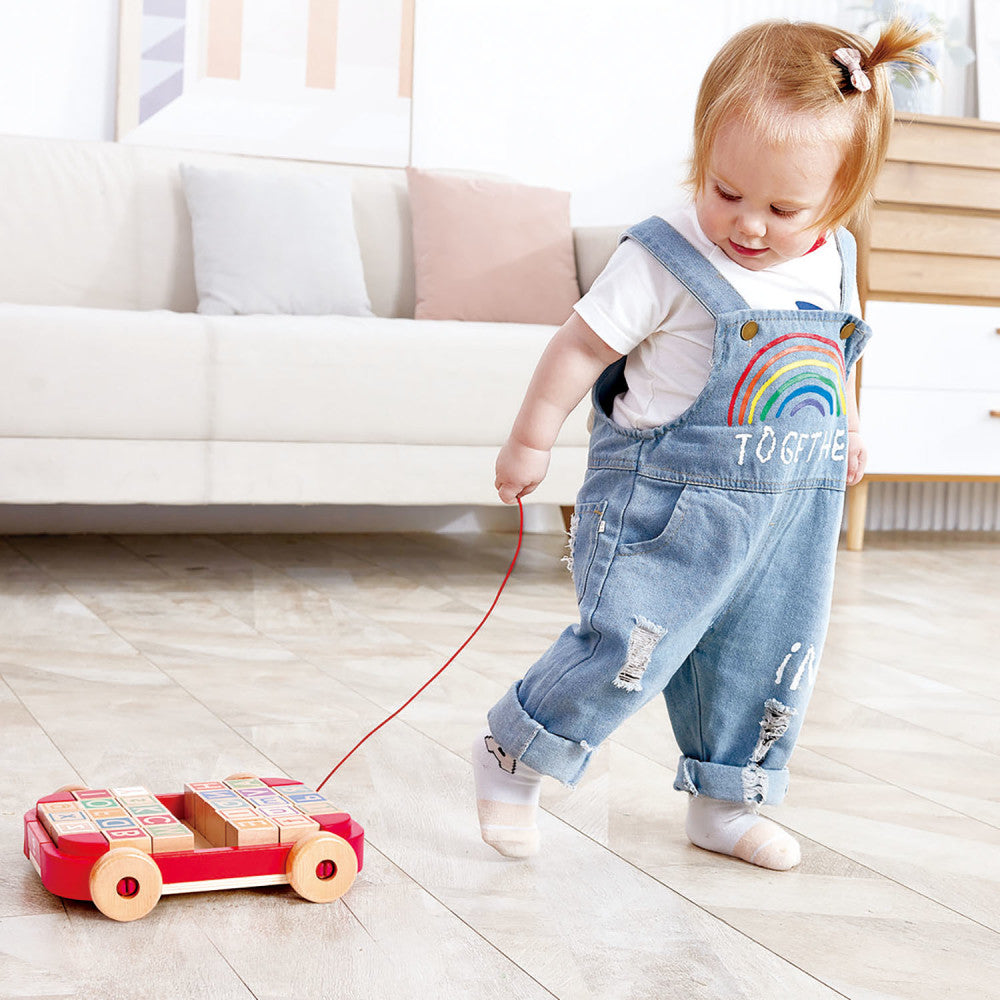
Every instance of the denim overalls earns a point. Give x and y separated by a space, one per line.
703 551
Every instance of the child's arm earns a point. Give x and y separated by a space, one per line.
568 367
857 454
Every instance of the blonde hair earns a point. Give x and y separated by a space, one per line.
780 79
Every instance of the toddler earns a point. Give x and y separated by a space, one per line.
723 341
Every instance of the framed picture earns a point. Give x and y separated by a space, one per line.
306 79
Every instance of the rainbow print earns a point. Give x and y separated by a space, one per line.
791 373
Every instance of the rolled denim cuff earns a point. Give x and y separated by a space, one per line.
751 784
532 744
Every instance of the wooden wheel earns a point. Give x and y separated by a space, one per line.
240 774
125 883
322 867
71 788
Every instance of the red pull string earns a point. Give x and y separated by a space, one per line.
510 569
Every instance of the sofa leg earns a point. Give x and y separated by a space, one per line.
567 516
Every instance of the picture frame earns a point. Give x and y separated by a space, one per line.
327 80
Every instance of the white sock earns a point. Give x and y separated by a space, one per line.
507 798
733 828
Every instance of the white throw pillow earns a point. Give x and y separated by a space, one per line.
274 243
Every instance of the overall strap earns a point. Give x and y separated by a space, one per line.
687 265
848 266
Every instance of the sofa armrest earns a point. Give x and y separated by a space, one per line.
594 246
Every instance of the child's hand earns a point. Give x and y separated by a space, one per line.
519 470
857 457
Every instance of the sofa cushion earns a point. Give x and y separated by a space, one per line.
104 373
491 250
277 243
161 376
338 378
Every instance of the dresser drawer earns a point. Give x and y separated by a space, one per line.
933 433
929 346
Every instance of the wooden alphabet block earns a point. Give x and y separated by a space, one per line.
311 803
92 793
244 832
61 824
52 808
292 828
253 794
117 812
242 813
283 810
241 783
213 828
117 823
169 837
158 819
70 828
132 791
129 836
137 800
231 802
154 809
191 791
107 802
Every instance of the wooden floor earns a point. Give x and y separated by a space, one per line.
160 660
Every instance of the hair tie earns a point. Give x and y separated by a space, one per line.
850 59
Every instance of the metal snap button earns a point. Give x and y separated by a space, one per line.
749 330
846 330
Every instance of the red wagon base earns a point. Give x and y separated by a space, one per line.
81 842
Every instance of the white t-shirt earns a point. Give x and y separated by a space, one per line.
637 307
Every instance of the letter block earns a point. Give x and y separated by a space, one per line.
130 836
157 809
117 823
244 832
116 813
65 828
312 803
241 783
128 801
253 794
292 828
132 791
169 837
191 792
244 812
108 802
53 808
92 793
159 819
213 828
284 810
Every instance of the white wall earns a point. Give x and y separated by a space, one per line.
593 96
58 67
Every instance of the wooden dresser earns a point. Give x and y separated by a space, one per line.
929 275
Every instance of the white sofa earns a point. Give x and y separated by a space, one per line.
113 390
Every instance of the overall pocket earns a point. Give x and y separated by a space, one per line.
655 513
586 527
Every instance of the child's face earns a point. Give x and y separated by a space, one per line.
761 204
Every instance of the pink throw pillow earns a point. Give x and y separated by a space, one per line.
491 250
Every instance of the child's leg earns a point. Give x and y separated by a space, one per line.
738 703
736 829
506 798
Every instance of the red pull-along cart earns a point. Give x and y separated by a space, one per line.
123 848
